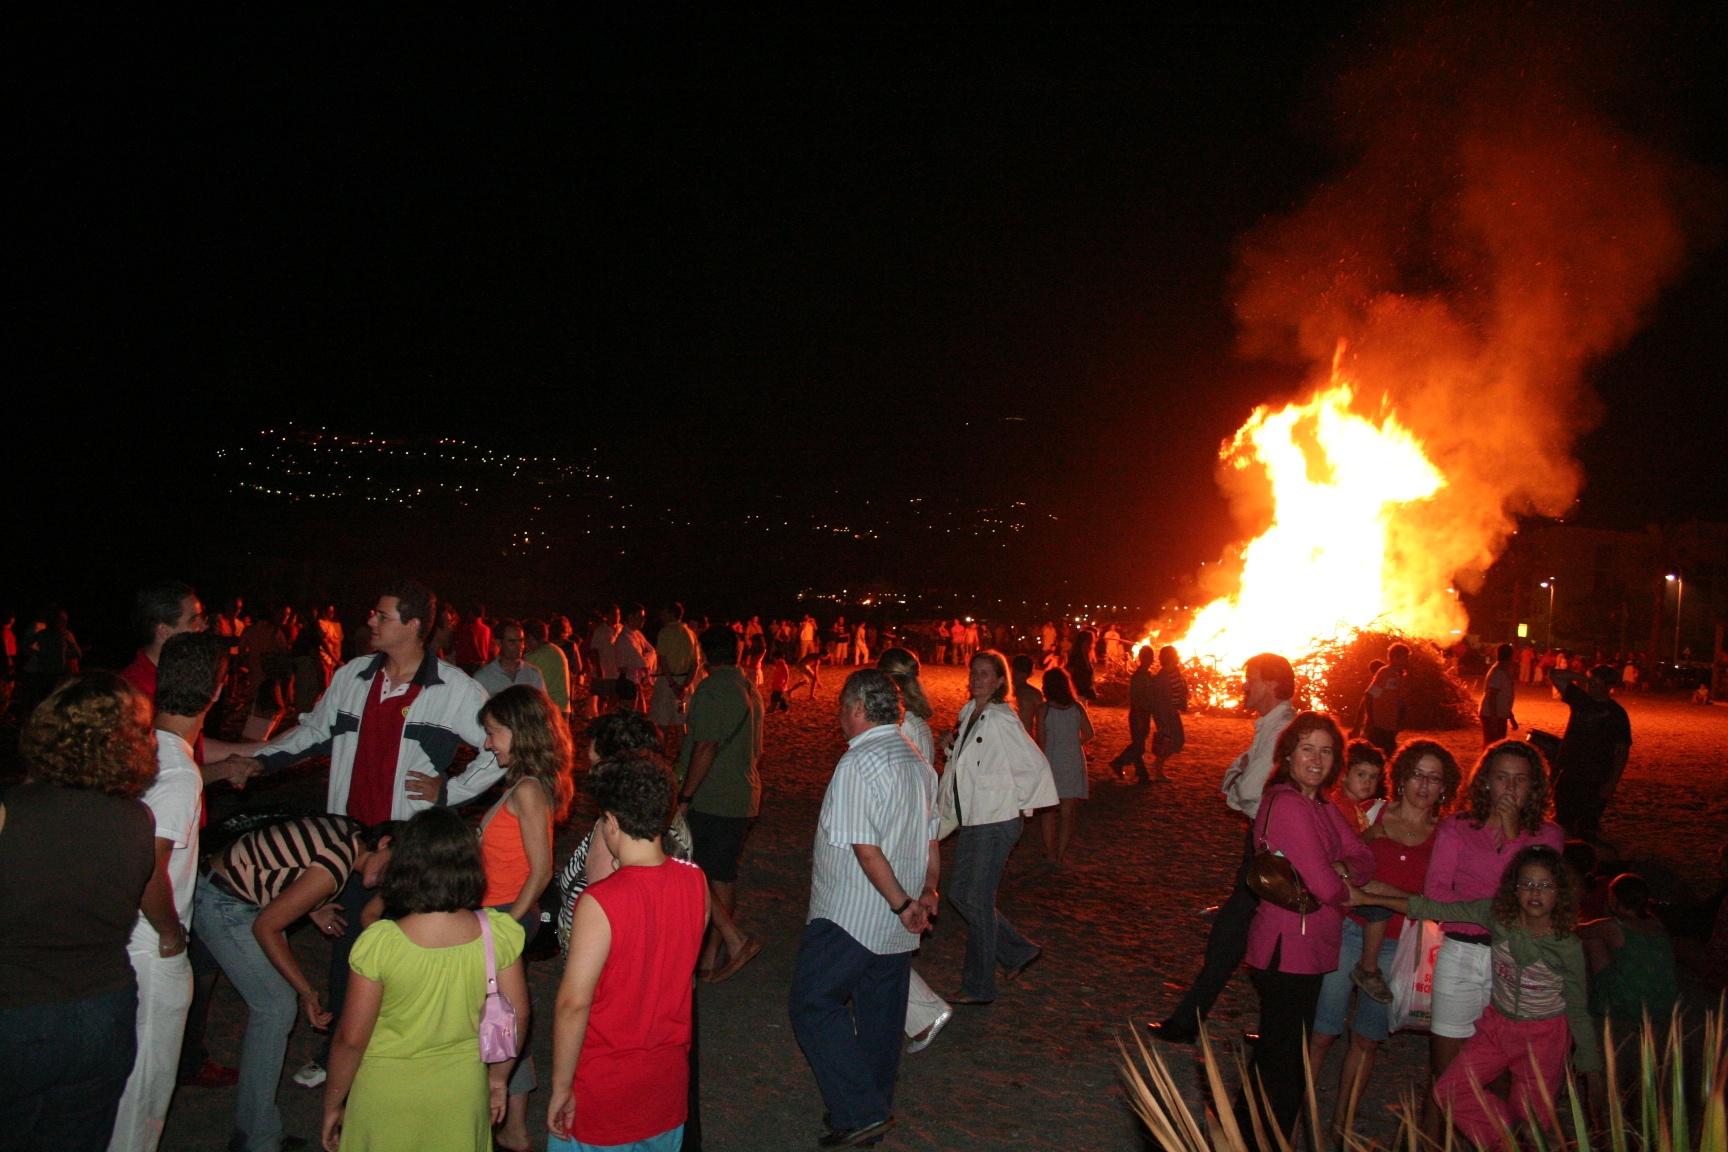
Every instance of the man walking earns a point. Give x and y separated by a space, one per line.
872 892
1499 693
1142 694
1271 682
721 792
1383 705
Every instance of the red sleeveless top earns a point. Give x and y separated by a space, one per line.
632 1077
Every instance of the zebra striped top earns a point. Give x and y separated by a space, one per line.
262 864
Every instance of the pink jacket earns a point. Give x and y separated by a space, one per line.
1468 861
1311 834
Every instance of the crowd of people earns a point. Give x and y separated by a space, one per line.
119 906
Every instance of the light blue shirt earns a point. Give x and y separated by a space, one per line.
883 793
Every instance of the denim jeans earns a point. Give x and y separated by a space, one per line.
668 1141
225 923
848 1006
979 859
1371 1020
62 1069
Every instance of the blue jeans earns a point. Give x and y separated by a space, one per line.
1370 1021
225 923
63 1068
668 1141
853 1049
979 860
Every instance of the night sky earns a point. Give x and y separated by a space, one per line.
929 304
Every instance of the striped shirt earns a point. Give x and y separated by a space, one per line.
262 864
884 794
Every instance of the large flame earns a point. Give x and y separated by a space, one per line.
1326 563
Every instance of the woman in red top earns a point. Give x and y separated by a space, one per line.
1425 777
528 735
621 1040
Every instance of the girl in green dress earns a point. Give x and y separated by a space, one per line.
405 1070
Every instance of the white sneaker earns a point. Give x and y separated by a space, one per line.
930 1033
311 1075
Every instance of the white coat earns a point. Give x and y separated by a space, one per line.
999 773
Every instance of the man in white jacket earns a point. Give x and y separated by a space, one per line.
391 723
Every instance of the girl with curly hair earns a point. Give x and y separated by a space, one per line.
1539 1007
77 848
1505 808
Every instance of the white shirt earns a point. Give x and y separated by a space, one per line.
882 793
601 644
176 799
916 729
494 679
633 655
1245 779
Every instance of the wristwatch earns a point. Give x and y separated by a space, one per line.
910 900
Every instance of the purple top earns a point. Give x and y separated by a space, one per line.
1468 861
1311 834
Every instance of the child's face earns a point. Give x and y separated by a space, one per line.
1361 781
1537 892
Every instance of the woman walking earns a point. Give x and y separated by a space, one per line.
1424 778
1289 952
1065 728
405 1065
926 1012
994 776
528 735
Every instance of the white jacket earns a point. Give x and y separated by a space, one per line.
998 774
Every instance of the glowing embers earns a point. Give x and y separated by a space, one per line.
1334 481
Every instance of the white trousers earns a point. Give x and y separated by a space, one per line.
923 1006
164 995
1463 985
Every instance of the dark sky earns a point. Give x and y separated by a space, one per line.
752 270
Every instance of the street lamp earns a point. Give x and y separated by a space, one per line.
1549 584
1678 579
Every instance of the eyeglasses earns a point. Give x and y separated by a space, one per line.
1536 885
1427 778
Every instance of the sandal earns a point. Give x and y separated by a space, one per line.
1373 984
730 969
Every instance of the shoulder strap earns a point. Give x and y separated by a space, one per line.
499 807
491 960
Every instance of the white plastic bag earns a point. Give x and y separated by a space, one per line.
1412 976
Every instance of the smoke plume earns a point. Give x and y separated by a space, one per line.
1494 233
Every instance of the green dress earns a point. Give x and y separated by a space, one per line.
421 1086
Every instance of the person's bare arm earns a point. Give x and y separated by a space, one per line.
1086 731
590 944
876 867
930 897
1622 752
347 1046
314 886
158 904
533 811
513 984
701 760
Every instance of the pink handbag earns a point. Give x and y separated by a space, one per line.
498 1018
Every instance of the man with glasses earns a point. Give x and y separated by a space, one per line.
391 723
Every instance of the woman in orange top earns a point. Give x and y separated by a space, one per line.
528 735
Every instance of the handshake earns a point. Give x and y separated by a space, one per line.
234 769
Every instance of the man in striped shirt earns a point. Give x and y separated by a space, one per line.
875 849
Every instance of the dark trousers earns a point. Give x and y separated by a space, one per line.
1493 729
854 1050
1578 804
1226 945
1384 739
1287 1003
193 1052
352 900
1139 729
63 1068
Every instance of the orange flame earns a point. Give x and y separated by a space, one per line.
1337 482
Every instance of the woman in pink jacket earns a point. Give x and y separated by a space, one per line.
1288 952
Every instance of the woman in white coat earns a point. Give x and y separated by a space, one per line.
995 776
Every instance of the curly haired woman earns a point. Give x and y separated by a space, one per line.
77 847
1505 810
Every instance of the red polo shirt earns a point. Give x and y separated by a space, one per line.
372 786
